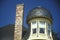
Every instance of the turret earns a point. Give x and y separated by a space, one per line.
39 20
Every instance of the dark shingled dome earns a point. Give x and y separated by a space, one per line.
39 12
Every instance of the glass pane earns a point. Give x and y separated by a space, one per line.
34 25
42 30
49 27
42 24
34 30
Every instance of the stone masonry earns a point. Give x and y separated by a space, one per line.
18 22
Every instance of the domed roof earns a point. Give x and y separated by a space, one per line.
39 12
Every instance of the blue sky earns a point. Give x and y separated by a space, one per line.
8 11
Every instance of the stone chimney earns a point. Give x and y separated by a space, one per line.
18 22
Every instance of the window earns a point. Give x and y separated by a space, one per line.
49 27
34 30
42 30
42 24
41 27
34 24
